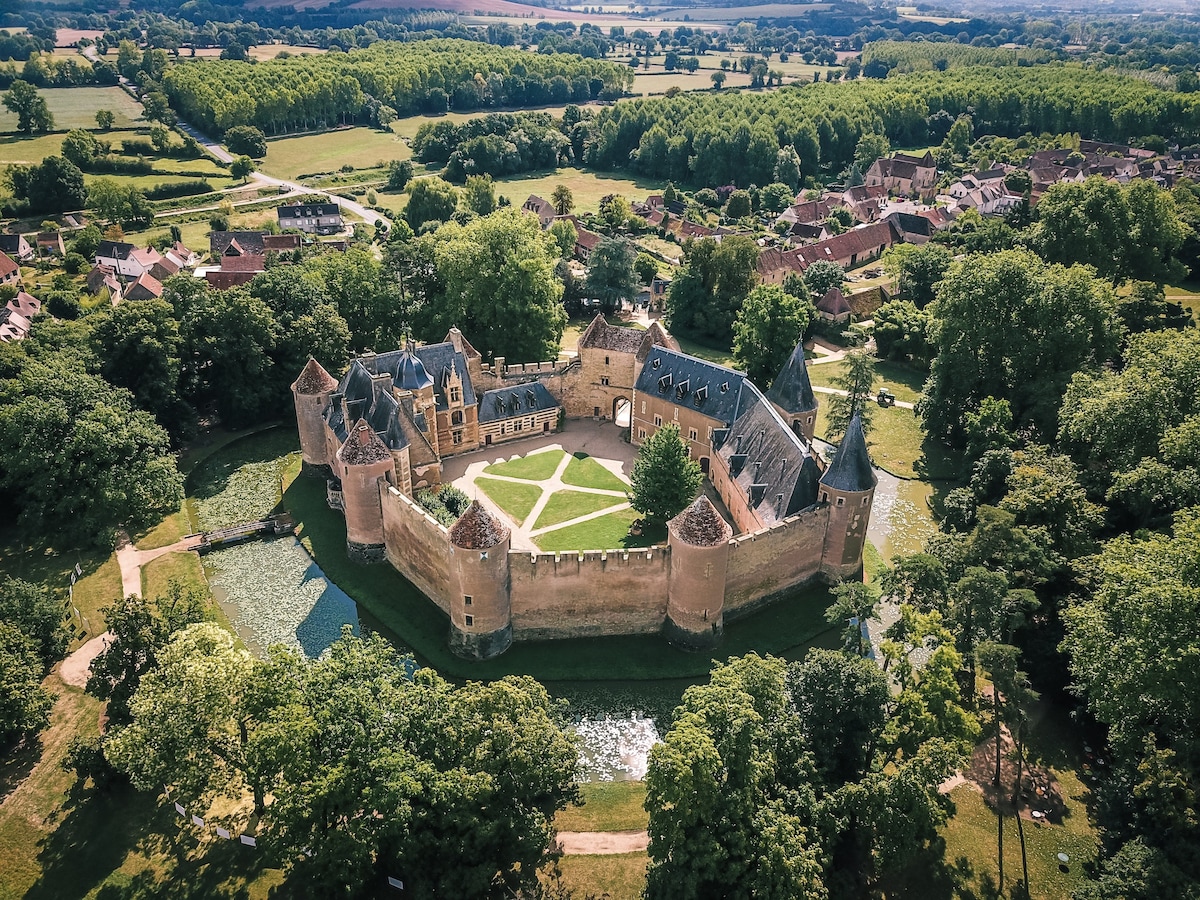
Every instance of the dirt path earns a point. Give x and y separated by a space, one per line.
597 843
131 560
74 669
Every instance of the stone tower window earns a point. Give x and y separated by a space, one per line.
604 380
606 360
455 395
466 599
470 621
841 501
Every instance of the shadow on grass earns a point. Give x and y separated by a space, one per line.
98 830
395 608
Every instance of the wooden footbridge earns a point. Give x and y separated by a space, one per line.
235 534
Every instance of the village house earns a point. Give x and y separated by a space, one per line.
312 218
16 246
145 287
543 209
126 260
103 277
10 272
904 174
16 317
50 243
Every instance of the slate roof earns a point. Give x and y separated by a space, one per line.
477 529
309 210
114 250
11 244
435 358
851 467
514 402
363 446
335 418
384 420
792 390
685 380
599 335
410 372
776 472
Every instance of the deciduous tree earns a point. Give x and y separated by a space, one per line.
33 115
665 478
768 326
610 277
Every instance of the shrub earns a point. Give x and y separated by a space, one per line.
178 189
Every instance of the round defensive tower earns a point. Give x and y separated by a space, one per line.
848 486
480 608
362 463
699 542
310 392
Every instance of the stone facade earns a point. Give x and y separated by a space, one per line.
381 432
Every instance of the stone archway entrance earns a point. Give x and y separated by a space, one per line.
622 412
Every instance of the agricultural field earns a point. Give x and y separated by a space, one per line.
28 149
76 107
650 82
587 188
293 158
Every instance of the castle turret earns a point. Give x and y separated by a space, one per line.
480 608
699 542
310 392
362 463
848 486
791 393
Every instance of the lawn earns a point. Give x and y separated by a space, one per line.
566 505
906 382
620 876
587 188
583 471
183 567
26 149
897 444
607 806
534 467
657 82
61 839
76 107
722 356
610 532
293 158
171 529
517 500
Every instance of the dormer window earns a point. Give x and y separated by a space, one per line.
665 382
456 395
701 394
724 387
655 363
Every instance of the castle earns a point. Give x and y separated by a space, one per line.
381 433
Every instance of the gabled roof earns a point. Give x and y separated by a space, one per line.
147 287
775 472
25 305
515 402
309 211
705 387
851 467
114 249
599 335
250 242
7 266
384 420
792 390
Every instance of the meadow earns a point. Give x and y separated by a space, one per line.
76 107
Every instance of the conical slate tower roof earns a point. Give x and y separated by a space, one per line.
851 469
477 529
410 372
701 525
314 379
791 390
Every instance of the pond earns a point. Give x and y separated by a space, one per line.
274 593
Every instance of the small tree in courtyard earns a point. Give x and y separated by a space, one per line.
856 380
665 479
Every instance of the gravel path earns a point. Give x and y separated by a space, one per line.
596 843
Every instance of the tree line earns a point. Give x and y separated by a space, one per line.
303 92
733 138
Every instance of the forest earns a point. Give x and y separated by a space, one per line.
283 95
722 138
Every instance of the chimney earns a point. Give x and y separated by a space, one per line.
364 435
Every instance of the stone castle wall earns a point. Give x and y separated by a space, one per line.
598 592
764 564
417 546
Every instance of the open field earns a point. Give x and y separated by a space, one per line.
76 108
310 154
653 82
270 51
587 188
906 382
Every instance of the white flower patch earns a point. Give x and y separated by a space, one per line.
280 596
615 748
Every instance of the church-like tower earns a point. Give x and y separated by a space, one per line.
848 486
699 542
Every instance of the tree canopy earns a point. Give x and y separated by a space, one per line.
665 478
708 290
769 325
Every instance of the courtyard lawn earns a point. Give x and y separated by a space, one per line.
607 806
619 876
722 356
517 500
609 532
534 467
296 157
76 107
583 471
564 506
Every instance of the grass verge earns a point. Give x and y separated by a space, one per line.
566 505
607 806
583 471
185 568
517 500
620 876
534 467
